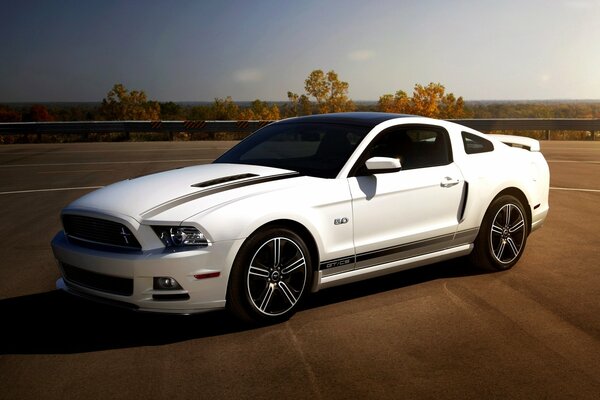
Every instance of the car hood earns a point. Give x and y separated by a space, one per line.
148 196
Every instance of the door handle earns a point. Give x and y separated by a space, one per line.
449 182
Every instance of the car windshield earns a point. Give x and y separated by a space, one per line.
313 149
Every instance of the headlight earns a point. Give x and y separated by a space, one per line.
180 236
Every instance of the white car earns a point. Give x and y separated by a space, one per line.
301 205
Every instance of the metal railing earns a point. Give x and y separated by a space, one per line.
172 127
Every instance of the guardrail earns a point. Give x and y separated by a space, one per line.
171 127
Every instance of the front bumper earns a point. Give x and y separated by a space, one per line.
137 270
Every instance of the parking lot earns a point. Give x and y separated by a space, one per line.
441 331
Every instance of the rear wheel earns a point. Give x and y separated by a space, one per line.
502 236
269 277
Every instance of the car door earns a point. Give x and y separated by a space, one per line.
414 211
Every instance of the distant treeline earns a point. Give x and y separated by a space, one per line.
324 93
226 109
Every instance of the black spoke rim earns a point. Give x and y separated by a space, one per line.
507 233
276 276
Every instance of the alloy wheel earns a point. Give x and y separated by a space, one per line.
276 276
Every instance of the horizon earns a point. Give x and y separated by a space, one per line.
279 102
527 50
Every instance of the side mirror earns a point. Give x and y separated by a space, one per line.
383 164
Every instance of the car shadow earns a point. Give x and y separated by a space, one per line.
455 268
58 323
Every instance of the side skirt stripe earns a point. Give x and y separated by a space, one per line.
362 259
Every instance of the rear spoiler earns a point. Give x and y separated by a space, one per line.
519 141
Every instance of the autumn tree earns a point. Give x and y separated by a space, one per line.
298 105
304 105
330 93
397 103
317 87
428 101
38 113
291 109
7 114
260 110
224 109
120 104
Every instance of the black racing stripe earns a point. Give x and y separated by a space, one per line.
403 248
455 239
470 234
225 179
203 193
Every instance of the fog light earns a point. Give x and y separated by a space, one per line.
166 283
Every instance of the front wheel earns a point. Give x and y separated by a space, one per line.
502 235
270 276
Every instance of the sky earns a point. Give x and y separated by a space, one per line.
178 50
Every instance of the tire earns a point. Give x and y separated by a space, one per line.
502 235
270 276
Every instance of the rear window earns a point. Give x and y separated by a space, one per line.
476 144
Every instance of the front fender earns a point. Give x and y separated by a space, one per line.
313 203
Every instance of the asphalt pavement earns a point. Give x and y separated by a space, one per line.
441 331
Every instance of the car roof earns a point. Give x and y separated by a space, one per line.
369 119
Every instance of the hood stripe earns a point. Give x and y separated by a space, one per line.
207 192
225 179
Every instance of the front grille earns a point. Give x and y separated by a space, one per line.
93 280
94 232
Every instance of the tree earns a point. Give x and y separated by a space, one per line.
428 101
338 94
397 103
260 110
171 111
224 109
7 114
291 110
39 113
298 105
329 91
120 104
316 86
305 105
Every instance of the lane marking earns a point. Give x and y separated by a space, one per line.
104 163
575 189
559 148
75 171
51 190
574 161
40 153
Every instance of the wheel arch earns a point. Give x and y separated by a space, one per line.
300 230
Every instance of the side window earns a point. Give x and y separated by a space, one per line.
476 144
415 147
430 148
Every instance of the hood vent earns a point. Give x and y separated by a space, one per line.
225 179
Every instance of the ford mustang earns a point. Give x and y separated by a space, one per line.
301 205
